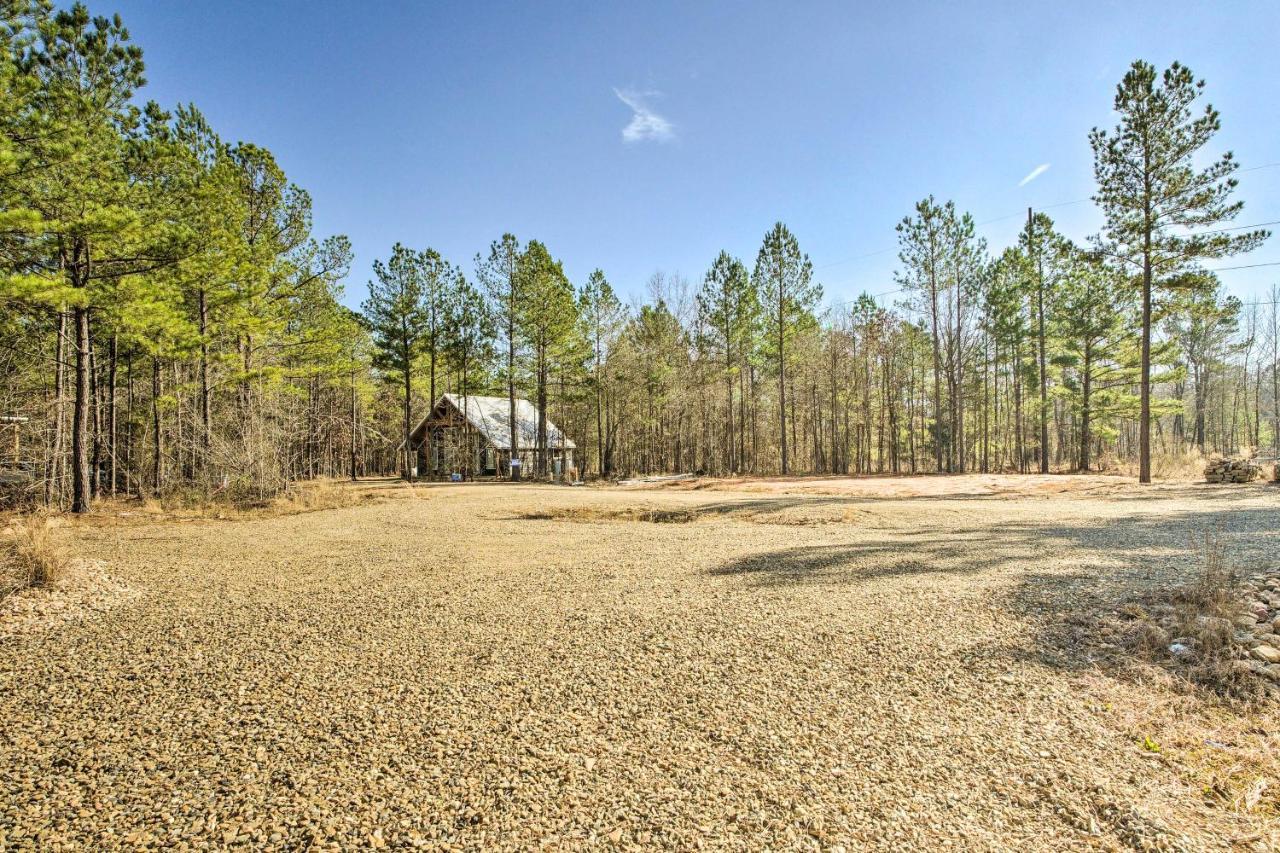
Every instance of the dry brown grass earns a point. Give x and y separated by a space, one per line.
35 560
307 496
316 495
1216 746
1198 615
1177 466
599 513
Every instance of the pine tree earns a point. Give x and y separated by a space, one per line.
469 338
922 250
784 278
1049 257
499 276
397 313
1150 190
98 183
1202 321
602 316
1093 326
547 314
728 306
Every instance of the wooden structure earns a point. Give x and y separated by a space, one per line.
471 436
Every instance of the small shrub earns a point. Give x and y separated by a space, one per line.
316 495
1180 465
1203 612
38 561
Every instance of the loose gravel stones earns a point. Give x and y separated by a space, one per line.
445 670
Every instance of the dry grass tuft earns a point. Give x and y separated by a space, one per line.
36 560
1181 466
315 495
304 496
1217 746
1193 633
1214 592
595 513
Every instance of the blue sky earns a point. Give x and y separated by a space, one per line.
646 136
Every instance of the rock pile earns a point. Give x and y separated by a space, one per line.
1255 630
1257 633
1250 636
1231 471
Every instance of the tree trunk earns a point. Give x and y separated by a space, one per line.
1086 386
407 468
782 381
95 397
80 494
53 472
206 416
157 463
112 362
1044 392
354 426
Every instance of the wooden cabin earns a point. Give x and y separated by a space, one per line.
471 436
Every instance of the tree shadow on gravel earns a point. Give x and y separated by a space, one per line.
773 509
1108 564
846 564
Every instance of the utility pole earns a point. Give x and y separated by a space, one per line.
1044 394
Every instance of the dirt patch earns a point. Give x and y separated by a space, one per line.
784 514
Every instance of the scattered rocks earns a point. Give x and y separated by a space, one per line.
85 591
1252 637
1268 654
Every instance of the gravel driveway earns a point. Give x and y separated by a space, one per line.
491 666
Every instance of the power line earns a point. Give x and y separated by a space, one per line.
1215 269
1049 207
1246 266
1234 228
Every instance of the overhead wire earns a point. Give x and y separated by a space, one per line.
1055 206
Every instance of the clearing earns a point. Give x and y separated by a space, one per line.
818 663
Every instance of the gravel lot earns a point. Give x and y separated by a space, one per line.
745 666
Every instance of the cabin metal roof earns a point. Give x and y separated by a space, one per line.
490 416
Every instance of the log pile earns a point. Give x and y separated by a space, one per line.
1231 471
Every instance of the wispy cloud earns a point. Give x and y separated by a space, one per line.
645 125
1033 174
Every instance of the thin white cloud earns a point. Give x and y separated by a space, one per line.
1033 174
645 125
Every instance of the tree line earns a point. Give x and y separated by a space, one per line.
169 319
171 324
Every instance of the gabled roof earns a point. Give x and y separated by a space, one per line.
490 416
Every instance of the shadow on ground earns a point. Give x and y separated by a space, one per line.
1108 563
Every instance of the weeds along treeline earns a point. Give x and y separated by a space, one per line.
170 323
